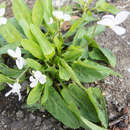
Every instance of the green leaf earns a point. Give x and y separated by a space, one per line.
63 74
79 36
111 59
58 44
21 11
74 27
10 33
99 103
101 5
15 23
4 49
75 95
12 73
71 72
2 87
96 54
90 124
35 95
37 13
47 48
89 71
34 64
109 55
45 96
24 19
33 48
5 79
92 32
72 53
58 108
47 6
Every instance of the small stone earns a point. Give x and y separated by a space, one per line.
126 122
19 115
38 121
125 110
32 117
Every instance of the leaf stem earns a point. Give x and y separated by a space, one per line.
94 30
18 78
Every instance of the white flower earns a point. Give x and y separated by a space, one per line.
113 22
67 17
15 89
129 70
3 20
61 16
20 62
51 21
38 77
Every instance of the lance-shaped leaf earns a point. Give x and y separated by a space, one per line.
37 13
21 11
47 48
33 48
71 72
35 94
12 73
23 15
99 103
102 5
58 108
63 74
5 79
4 49
10 33
34 64
89 71
77 96
45 95
47 6
108 55
73 53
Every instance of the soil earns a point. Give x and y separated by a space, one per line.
15 116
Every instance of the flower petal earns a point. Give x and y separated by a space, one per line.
10 85
3 20
51 21
2 11
17 86
32 79
58 14
106 22
18 52
33 84
8 93
19 95
42 80
67 17
12 53
109 17
37 74
118 30
121 17
19 63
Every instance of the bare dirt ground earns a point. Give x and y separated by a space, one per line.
14 116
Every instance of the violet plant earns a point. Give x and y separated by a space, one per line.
57 62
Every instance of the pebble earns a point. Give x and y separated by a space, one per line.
38 121
19 115
32 117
